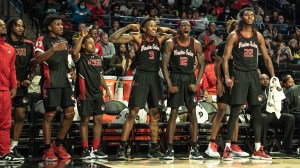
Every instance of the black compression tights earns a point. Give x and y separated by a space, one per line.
255 119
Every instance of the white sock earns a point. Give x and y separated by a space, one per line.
228 145
13 144
257 146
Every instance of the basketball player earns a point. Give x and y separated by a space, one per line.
243 45
51 52
178 69
89 95
25 73
146 86
223 100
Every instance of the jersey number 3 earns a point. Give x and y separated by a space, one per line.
151 55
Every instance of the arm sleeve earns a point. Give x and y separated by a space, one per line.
13 75
39 45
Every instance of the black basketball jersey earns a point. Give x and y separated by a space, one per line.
245 52
54 70
24 54
221 49
183 57
88 69
148 55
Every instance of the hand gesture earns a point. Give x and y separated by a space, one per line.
84 32
173 89
135 27
220 89
61 46
25 83
73 75
193 87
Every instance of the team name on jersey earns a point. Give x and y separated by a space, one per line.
153 47
187 52
94 62
21 52
246 44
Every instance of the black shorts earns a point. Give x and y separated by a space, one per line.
146 87
225 98
55 97
246 87
92 107
21 101
184 97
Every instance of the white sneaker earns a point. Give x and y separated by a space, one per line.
212 150
238 152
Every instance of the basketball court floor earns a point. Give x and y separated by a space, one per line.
143 162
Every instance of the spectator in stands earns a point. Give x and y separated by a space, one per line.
94 34
135 13
208 45
226 15
97 12
283 54
199 21
204 6
294 48
107 47
219 9
76 35
241 3
150 5
119 61
81 12
268 41
196 3
95 25
152 13
281 25
126 8
66 9
212 15
115 11
268 30
274 16
287 82
183 16
278 36
116 26
49 7
266 19
67 24
286 122
182 5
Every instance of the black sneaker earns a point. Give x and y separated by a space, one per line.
195 154
98 154
9 158
17 154
169 155
86 154
155 153
121 153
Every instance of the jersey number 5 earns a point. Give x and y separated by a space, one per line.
183 61
151 55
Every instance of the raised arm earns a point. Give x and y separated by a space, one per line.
120 36
264 52
226 56
165 66
164 36
77 46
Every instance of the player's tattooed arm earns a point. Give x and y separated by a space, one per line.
120 36
264 52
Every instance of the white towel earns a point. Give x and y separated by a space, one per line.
275 97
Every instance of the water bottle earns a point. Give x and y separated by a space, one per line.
120 90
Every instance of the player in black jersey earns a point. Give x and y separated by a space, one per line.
146 86
25 73
223 100
243 45
89 95
51 52
178 69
